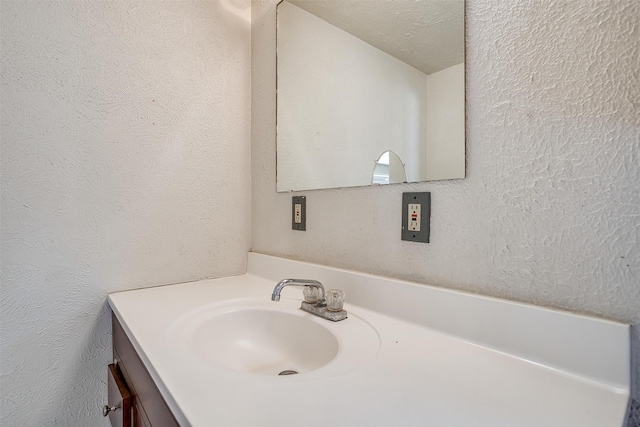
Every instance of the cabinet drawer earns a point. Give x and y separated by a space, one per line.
118 398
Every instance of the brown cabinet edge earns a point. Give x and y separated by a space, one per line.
149 407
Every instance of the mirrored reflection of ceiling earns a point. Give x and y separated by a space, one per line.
426 34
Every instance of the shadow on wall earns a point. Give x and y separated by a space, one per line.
88 370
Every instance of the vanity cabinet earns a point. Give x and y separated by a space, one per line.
148 408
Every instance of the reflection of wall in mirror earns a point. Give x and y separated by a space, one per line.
341 102
331 130
445 124
397 171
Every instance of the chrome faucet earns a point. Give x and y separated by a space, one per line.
275 296
318 308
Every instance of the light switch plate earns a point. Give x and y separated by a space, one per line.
299 213
417 230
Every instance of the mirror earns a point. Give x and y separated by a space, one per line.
356 78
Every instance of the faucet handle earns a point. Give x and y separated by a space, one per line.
310 294
334 299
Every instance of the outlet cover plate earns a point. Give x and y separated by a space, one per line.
424 199
301 201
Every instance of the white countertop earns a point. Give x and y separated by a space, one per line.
423 373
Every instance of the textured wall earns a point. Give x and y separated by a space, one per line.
125 163
550 211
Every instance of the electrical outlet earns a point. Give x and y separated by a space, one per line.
413 223
299 213
416 215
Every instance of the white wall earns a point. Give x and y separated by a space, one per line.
445 126
346 122
125 163
549 213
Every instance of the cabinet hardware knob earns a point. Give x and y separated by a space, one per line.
106 409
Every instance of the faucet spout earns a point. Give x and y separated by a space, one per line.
275 296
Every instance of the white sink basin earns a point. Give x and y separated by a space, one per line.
258 336
429 356
264 342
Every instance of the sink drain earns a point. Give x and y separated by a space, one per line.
288 372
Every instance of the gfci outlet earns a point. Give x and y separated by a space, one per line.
416 216
299 213
413 220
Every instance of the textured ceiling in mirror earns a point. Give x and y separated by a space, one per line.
430 40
